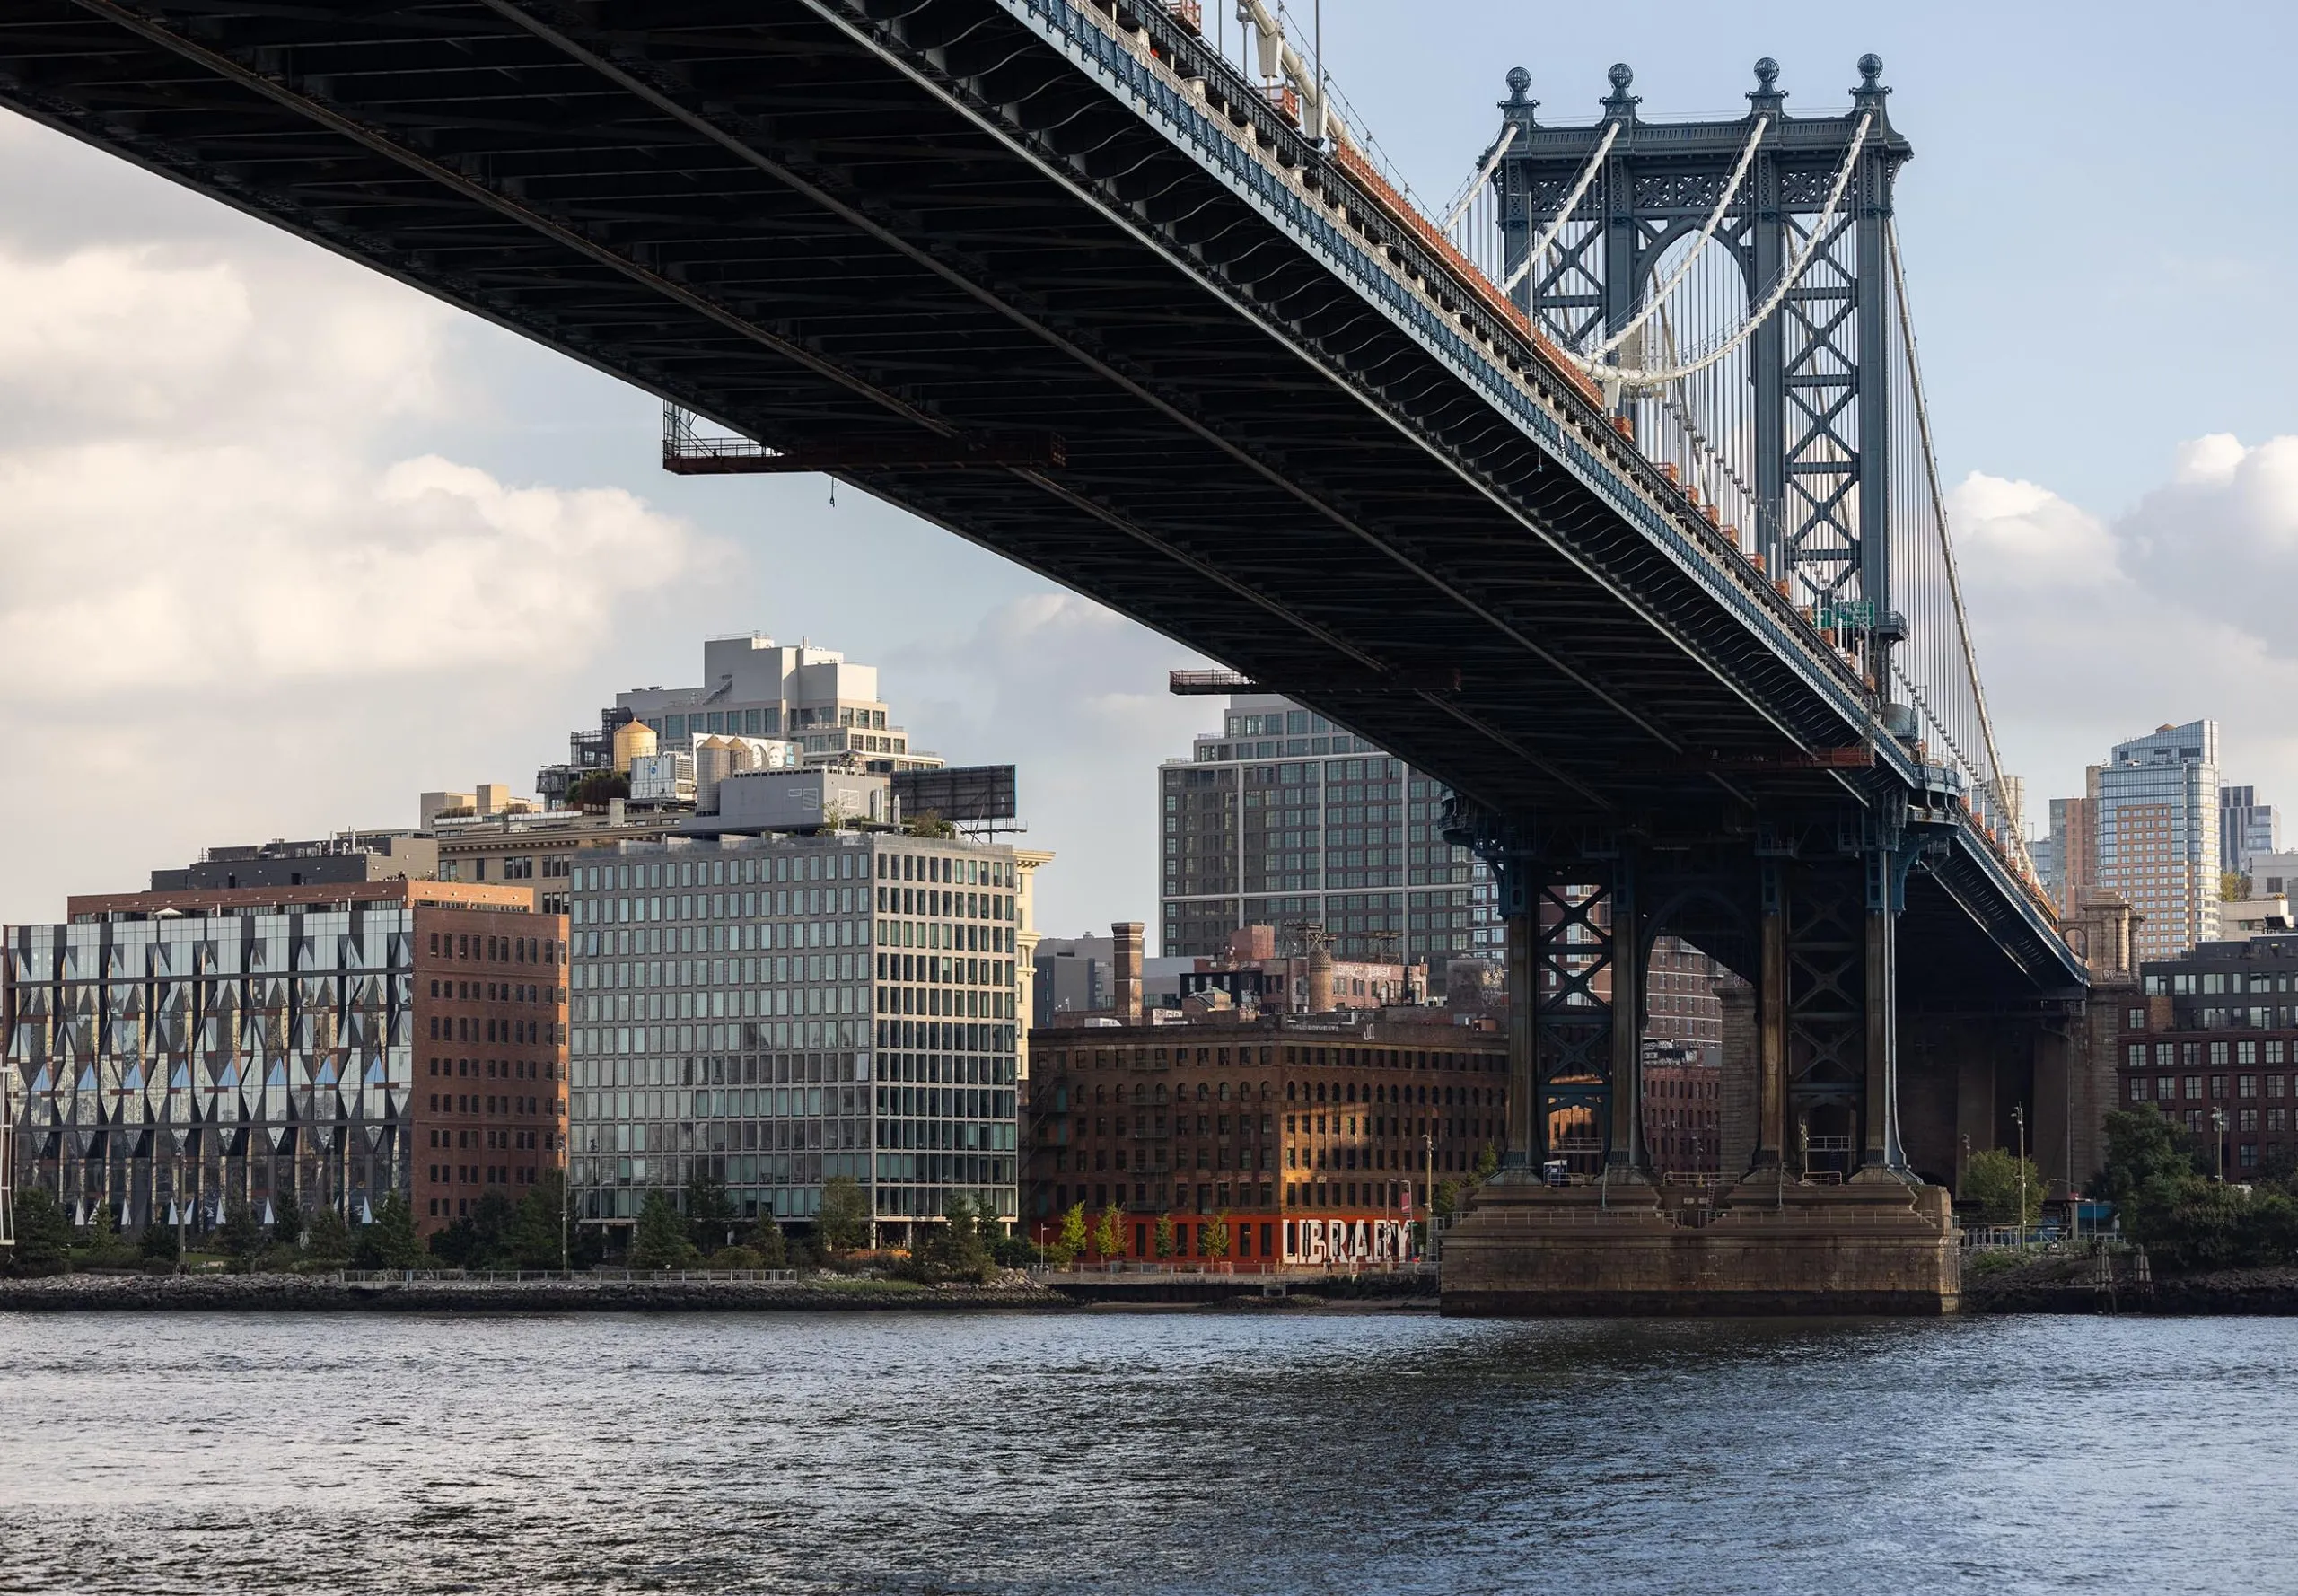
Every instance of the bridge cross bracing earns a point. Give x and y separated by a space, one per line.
1299 428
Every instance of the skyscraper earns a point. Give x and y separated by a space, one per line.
1282 817
2245 828
2156 819
2068 859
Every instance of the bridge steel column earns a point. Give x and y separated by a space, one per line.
1768 350
1887 861
1874 181
1625 1154
1526 1126
1771 1022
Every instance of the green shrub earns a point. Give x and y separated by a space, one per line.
157 1244
1994 1183
43 1233
660 1241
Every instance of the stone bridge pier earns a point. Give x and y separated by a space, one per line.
1841 1114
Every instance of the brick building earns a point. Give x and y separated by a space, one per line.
289 1046
1309 1133
1682 1106
2216 1032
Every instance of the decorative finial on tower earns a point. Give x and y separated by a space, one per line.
1870 92
1619 102
1519 106
1766 96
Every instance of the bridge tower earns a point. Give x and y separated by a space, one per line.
1810 387
1731 287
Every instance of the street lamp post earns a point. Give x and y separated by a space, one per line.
1428 1190
2218 1141
2019 1117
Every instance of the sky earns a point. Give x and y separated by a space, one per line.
284 544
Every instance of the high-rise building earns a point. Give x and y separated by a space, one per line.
752 687
777 1010
2067 858
2156 825
1281 818
290 1047
2246 827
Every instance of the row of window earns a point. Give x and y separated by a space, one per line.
1405 1058
2168 1088
467 1103
1055 1093
509 1069
498 950
2220 1054
496 1141
497 991
467 1028
803 903
2208 982
471 1174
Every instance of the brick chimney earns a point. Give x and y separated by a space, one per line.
1127 935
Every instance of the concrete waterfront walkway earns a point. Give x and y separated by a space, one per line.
609 1293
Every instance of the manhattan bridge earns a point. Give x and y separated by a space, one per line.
1604 492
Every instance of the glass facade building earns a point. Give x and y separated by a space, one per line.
171 1053
777 1011
2155 827
1281 817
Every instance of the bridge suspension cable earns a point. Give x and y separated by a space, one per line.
1658 297
1657 377
1541 244
1954 707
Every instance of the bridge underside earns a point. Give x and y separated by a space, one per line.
869 226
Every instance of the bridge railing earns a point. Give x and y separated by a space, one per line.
1414 256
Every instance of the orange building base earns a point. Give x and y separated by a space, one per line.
1527 1249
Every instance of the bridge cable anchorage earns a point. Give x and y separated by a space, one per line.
1541 244
1646 377
1659 296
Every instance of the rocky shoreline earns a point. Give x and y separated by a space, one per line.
2073 1285
326 1293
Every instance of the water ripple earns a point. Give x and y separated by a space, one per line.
209 1455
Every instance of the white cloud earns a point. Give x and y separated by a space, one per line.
2091 630
237 603
1073 694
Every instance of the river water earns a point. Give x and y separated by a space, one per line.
1202 1452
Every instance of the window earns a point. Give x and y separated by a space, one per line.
2194 1090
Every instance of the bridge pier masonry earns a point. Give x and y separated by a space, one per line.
1821 1212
